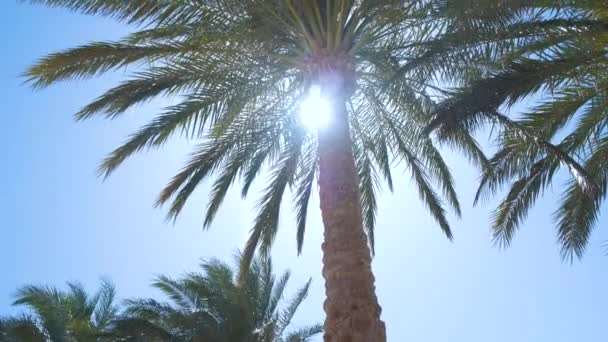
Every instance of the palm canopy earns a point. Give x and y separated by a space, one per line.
239 70
57 315
559 59
214 306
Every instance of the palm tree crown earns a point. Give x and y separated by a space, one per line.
214 306
558 56
62 316
241 68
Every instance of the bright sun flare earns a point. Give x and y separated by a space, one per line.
315 110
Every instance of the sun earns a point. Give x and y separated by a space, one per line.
315 110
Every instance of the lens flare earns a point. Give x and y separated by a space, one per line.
315 110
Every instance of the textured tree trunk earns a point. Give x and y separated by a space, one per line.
351 306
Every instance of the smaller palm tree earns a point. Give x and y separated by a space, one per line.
217 306
60 316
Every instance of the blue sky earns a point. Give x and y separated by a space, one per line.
63 223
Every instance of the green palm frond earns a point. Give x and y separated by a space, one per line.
142 87
61 315
304 179
426 193
441 174
303 334
277 294
91 60
288 313
21 328
266 223
514 208
557 60
265 284
575 217
148 309
48 304
177 291
579 210
523 78
143 11
136 329
368 184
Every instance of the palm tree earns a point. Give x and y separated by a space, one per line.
241 69
212 306
61 316
558 58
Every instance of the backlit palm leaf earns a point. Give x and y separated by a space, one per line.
561 61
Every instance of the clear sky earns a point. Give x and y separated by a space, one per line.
60 222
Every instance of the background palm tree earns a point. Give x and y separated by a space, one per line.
242 69
60 316
213 306
557 58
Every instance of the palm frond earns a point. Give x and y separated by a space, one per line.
139 12
579 210
93 59
62 315
557 61
106 309
177 292
288 313
304 187
21 328
514 208
266 223
304 334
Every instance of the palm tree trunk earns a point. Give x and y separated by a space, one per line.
351 306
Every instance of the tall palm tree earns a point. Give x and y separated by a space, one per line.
558 59
62 316
213 306
241 70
